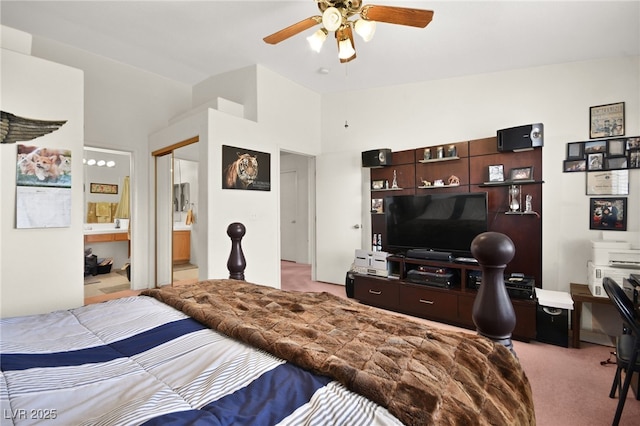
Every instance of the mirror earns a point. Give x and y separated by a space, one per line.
164 219
176 213
181 196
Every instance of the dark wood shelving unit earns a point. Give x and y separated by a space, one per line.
470 165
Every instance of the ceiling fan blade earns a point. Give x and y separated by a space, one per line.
340 35
397 15
292 30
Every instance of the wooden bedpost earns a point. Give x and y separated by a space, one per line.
236 262
493 312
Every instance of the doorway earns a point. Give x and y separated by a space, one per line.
176 200
297 208
107 237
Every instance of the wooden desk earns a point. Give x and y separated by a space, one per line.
580 294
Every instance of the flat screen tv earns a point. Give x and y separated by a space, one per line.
439 222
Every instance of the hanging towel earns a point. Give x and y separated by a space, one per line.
189 220
103 209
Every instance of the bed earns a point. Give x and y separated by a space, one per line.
229 352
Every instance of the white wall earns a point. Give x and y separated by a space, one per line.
43 262
122 106
290 112
238 86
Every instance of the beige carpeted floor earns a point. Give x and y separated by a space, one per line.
570 387
116 280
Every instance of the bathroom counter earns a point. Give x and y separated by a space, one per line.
104 232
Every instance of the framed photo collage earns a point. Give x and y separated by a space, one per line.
603 154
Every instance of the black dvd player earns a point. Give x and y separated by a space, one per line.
433 276
517 288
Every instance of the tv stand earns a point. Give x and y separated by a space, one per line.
453 305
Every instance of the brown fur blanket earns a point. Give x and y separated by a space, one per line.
421 374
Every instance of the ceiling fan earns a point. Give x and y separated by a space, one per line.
335 16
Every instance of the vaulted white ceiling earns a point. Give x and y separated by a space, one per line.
189 41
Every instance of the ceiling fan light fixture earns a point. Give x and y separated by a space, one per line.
345 49
365 29
316 40
331 18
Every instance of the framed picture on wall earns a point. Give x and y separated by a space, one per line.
616 147
606 120
103 188
608 214
245 169
575 150
595 161
616 163
575 165
608 182
595 147
634 159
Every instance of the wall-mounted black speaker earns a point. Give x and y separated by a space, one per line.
521 137
376 158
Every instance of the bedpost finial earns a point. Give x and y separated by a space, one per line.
493 249
493 312
236 230
236 263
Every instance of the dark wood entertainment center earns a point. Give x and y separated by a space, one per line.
468 161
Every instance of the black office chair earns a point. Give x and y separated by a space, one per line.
627 344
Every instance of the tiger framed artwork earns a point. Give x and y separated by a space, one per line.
245 169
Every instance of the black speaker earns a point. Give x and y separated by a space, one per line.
520 138
348 283
376 158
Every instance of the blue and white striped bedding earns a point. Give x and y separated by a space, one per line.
138 361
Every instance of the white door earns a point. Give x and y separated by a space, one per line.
338 214
288 215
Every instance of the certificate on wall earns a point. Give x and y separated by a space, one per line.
610 182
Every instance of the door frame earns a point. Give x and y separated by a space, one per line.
168 150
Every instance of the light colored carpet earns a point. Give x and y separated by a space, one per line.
115 288
183 267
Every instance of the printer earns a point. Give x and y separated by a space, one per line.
613 259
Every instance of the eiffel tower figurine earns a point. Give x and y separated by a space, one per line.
394 184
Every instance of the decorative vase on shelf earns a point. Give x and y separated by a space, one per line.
514 198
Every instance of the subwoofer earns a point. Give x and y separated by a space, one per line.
520 138
349 281
376 158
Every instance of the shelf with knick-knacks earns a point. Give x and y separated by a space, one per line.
451 181
383 184
515 202
441 154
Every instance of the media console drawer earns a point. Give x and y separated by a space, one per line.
428 302
376 291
